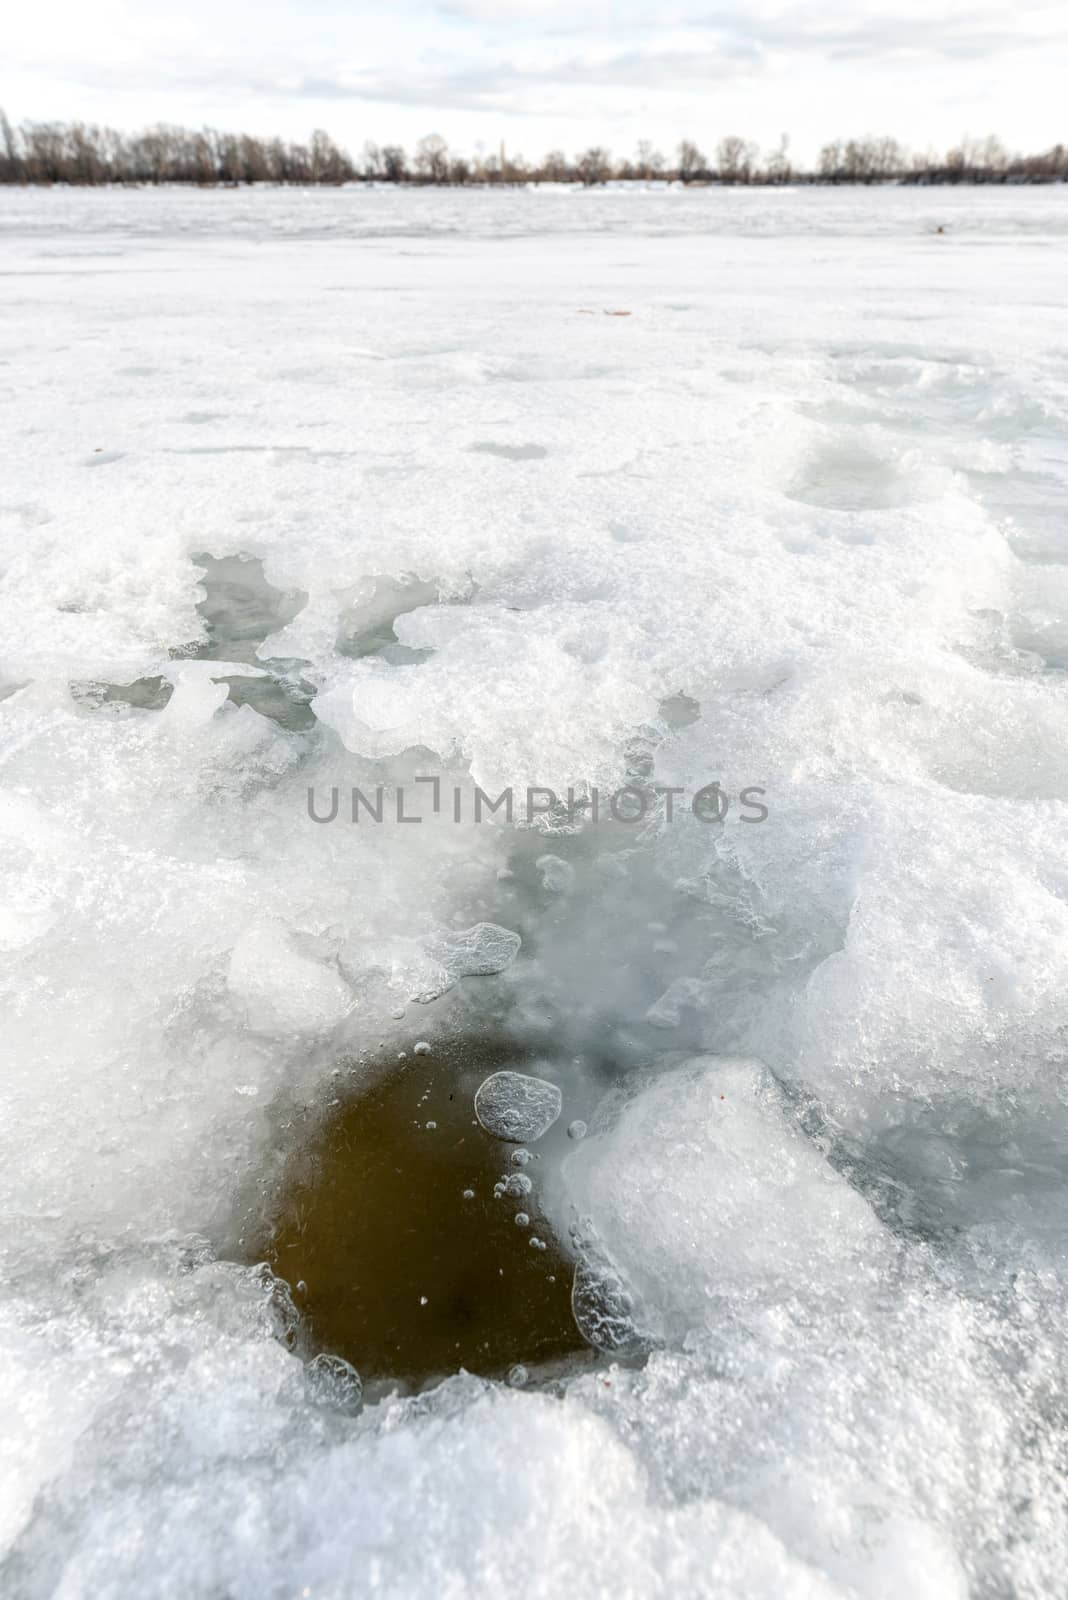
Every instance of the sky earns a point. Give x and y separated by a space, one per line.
544 74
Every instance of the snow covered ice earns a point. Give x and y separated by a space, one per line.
341 489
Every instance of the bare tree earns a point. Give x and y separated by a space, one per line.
555 168
650 163
11 165
432 159
372 161
394 163
779 168
514 169
735 159
692 163
594 166
80 153
328 165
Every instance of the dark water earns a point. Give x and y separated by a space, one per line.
387 1230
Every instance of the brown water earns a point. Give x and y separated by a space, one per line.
386 1228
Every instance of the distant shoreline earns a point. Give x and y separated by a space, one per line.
612 186
80 155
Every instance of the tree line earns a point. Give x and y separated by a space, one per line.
85 154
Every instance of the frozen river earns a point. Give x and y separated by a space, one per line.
641 493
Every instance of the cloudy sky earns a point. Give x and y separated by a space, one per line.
540 74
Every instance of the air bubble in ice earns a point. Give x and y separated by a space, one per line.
522 1220
476 952
513 1106
520 1157
480 951
422 1048
576 1129
330 1382
516 1184
518 1376
603 1309
557 875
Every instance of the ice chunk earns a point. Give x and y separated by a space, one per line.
705 1188
476 952
332 1382
195 700
282 990
513 1106
666 1012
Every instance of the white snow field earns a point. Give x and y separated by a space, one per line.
795 522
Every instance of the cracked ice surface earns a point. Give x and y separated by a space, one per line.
812 492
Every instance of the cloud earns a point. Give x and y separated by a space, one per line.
485 86
837 30
567 64
854 36
498 11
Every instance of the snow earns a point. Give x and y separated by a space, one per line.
810 490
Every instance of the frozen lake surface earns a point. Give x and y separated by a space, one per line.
334 489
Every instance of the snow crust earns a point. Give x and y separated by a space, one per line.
811 489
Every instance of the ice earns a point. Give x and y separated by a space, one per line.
797 523
278 988
706 1190
603 1304
517 1107
334 1383
476 952
480 951
557 876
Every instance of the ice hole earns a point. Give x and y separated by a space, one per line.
385 1224
366 627
240 611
